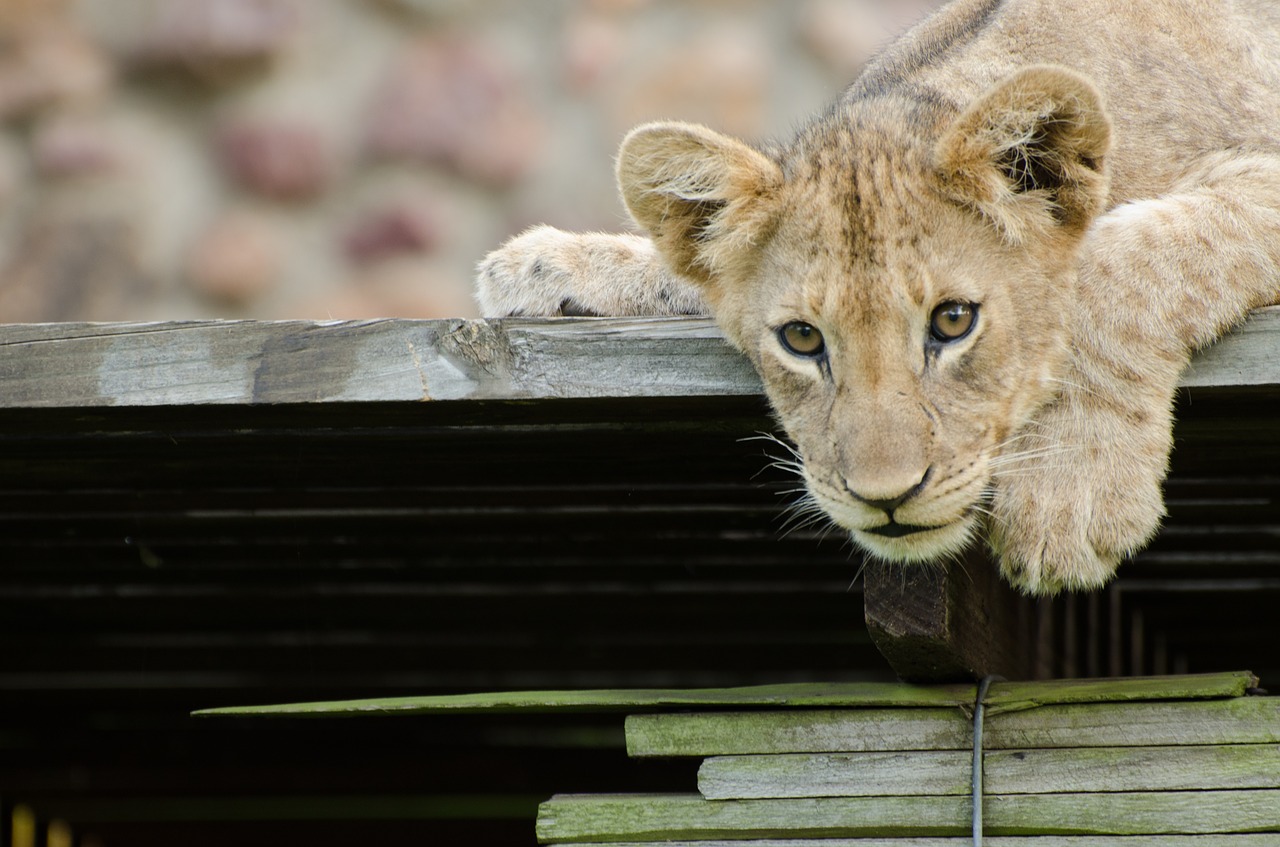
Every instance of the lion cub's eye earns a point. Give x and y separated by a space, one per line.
802 339
952 321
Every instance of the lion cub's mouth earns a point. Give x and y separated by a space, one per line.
898 530
906 542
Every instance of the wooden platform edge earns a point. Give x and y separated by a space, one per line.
72 365
394 360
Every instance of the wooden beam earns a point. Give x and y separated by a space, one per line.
248 362
951 622
244 362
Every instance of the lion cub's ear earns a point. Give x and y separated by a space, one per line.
703 197
1028 154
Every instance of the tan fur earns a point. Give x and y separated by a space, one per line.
1101 179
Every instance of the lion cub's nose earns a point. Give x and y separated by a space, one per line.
888 504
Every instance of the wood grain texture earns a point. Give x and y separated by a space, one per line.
934 773
248 362
956 621
1244 720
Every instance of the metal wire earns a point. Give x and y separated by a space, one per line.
979 713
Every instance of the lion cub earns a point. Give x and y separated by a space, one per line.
970 287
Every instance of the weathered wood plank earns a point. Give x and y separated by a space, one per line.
1001 697
243 362
934 773
793 695
584 818
221 362
817 731
1247 356
1015 695
1182 768
1212 840
1245 720
919 773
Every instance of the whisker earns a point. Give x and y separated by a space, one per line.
1032 456
1075 386
1013 473
772 439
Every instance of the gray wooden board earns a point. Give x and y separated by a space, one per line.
1244 720
1247 356
221 362
639 817
947 772
243 362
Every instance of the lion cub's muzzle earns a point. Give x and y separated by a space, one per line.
925 520
890 505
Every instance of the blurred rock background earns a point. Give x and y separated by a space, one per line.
170 159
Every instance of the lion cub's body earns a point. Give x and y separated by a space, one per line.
1096 183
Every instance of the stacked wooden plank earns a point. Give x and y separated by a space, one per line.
1164 768
1064 773
1132 763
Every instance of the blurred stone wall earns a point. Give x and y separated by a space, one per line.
170 159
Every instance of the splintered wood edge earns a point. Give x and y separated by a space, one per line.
800 695
72 365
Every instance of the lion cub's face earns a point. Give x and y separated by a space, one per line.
903 353
904 291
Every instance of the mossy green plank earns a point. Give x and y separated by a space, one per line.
810 731
1134 813
795 695
1243 720
1015 696
611 818
924 773
1232 840
1181 768
1010 696
932 773
658 817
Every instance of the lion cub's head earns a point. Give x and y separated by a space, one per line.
902 277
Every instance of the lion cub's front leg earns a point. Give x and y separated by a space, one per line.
547 272
1158 279
1088 493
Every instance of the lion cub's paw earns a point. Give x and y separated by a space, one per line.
531 274
1056 529
547 272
